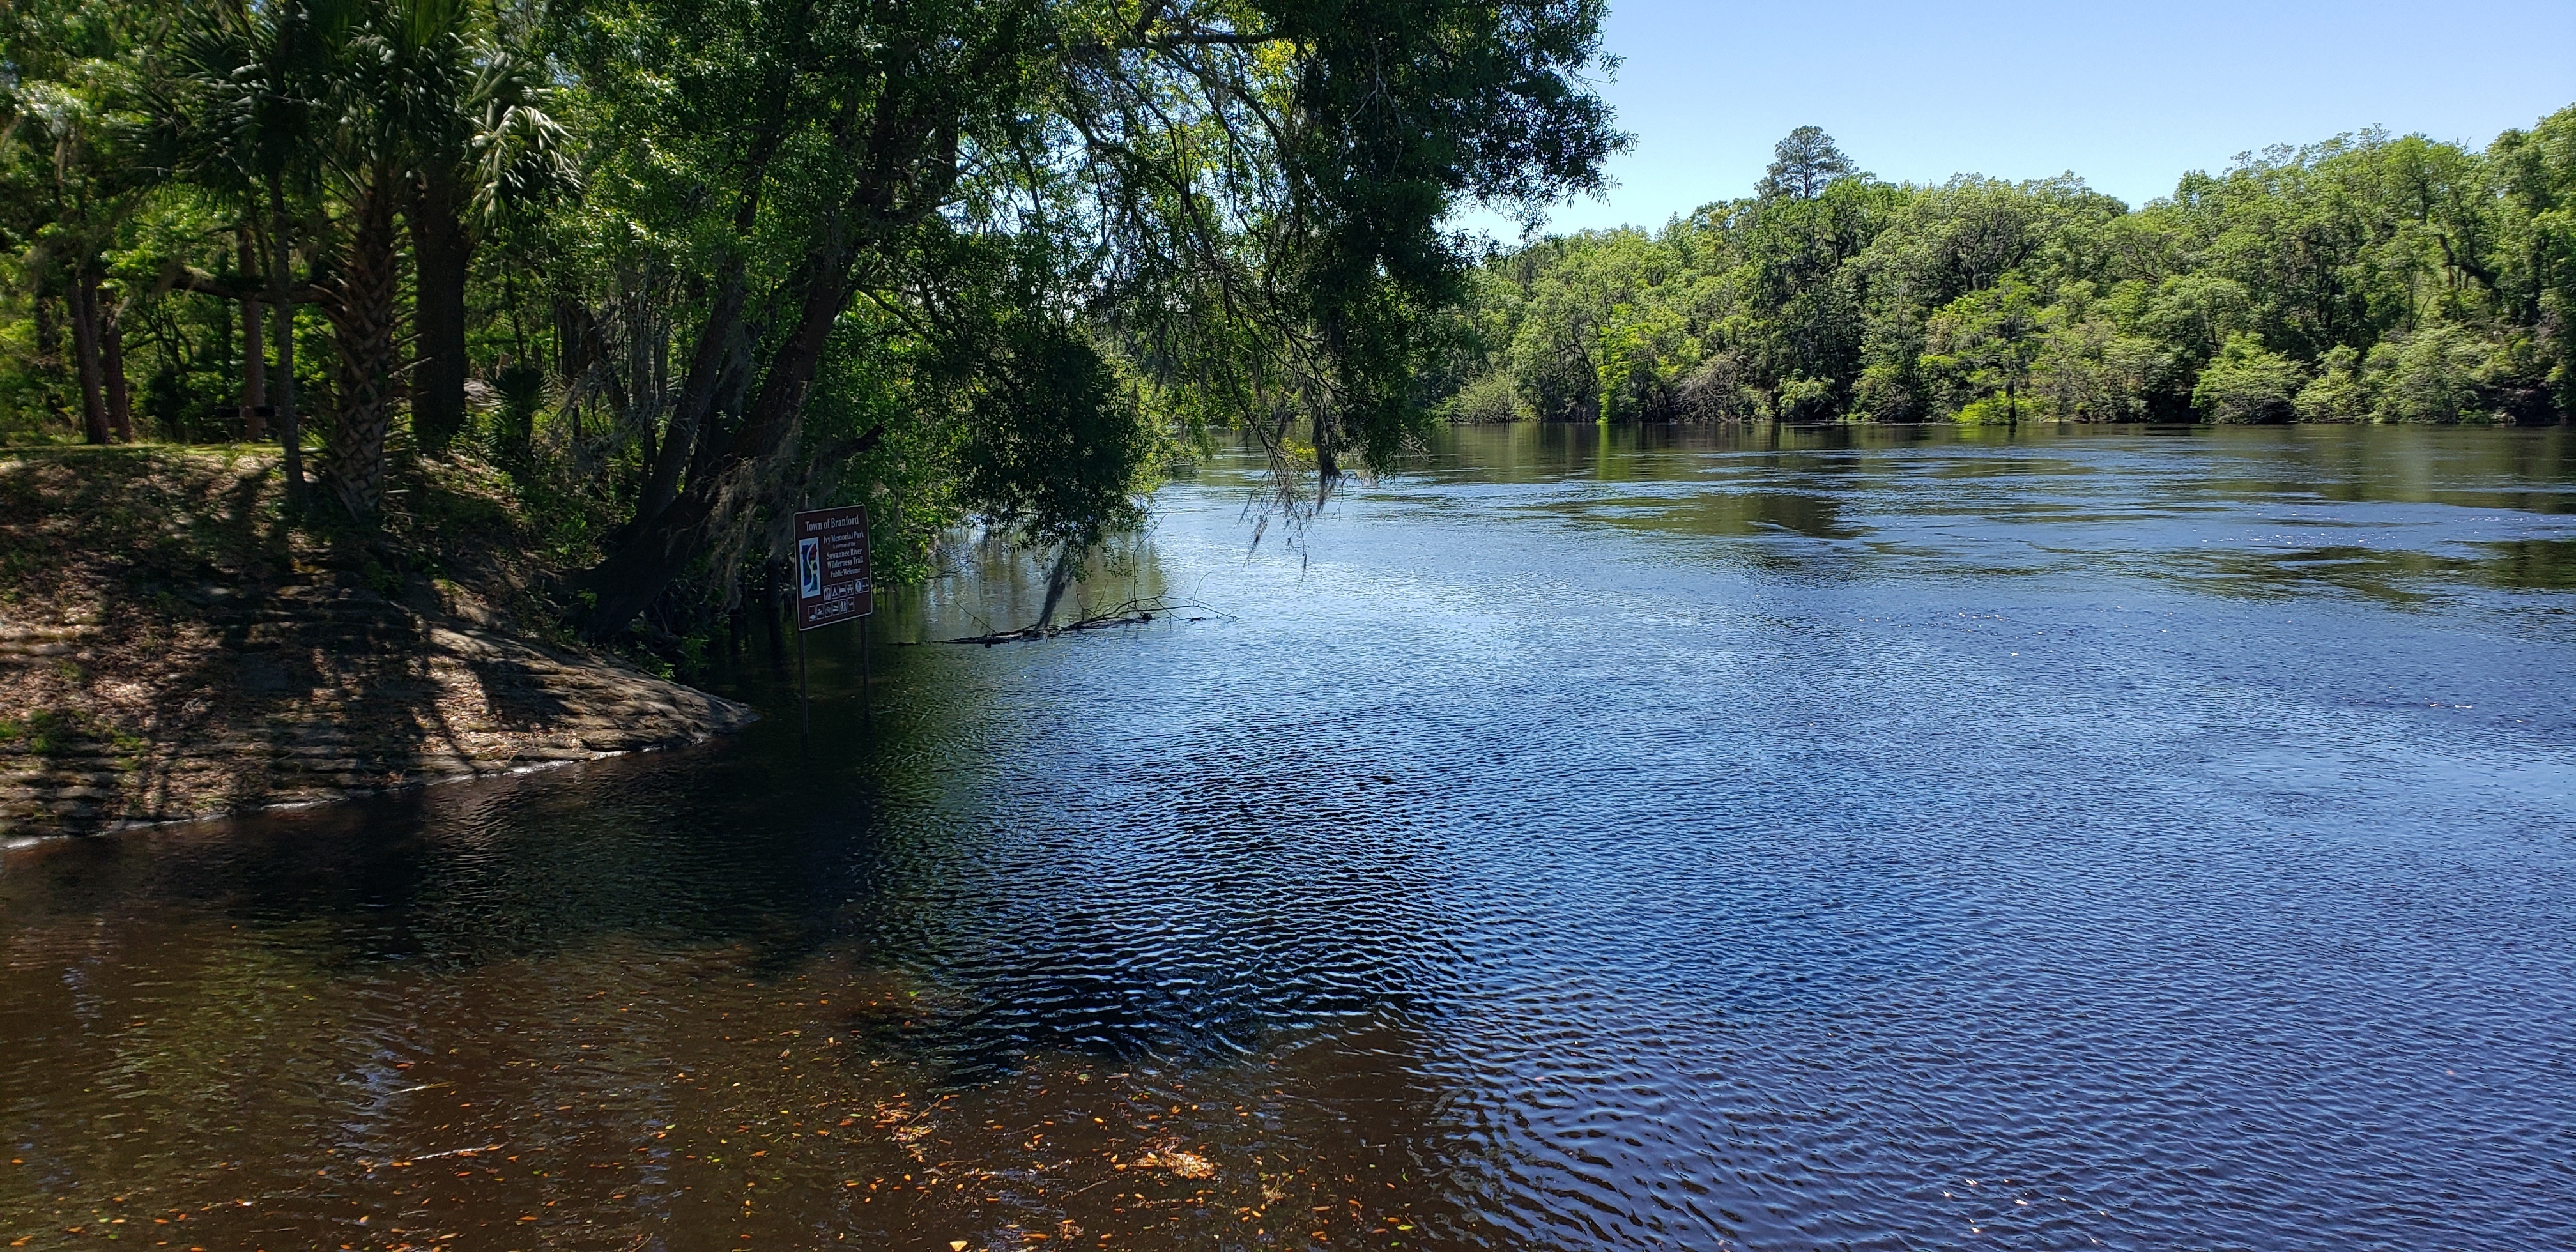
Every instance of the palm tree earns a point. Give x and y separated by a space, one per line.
236 116
479 142
366 112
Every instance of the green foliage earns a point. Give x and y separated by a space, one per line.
2435 374
2339 392
1978 349
2247 383
2367 278
2088 369
1803 165
1053 447
1485 399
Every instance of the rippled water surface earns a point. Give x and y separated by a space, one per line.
1586 840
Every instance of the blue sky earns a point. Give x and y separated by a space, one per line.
2128 96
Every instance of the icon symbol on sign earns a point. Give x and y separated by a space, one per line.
809 564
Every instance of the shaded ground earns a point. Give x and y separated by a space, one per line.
170 648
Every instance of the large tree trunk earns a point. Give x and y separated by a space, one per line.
254 357
697 399
906 161
656 551
111 361
289 433
362 309
442 252
84 302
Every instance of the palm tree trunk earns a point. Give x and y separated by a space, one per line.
290 435
254 357
362 312
442 254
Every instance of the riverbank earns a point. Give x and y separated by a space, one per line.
170 648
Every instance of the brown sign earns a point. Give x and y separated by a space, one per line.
832 583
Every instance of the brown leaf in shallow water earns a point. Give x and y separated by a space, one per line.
1185 1164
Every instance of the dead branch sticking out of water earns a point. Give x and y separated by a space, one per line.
1131 613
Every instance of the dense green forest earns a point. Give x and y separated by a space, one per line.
677 267
2366 278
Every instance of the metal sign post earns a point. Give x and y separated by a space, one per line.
833 585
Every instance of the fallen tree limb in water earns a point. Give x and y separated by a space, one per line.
1131 613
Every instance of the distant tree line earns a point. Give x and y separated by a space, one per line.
2369 278
680 266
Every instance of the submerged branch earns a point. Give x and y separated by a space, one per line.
1131 613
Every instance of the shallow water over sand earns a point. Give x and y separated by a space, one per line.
1765 839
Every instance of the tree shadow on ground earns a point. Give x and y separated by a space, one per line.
197 653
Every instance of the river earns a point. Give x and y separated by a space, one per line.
1584 839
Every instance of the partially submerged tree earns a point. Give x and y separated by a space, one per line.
1242 203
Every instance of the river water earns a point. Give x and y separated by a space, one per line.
1627 839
